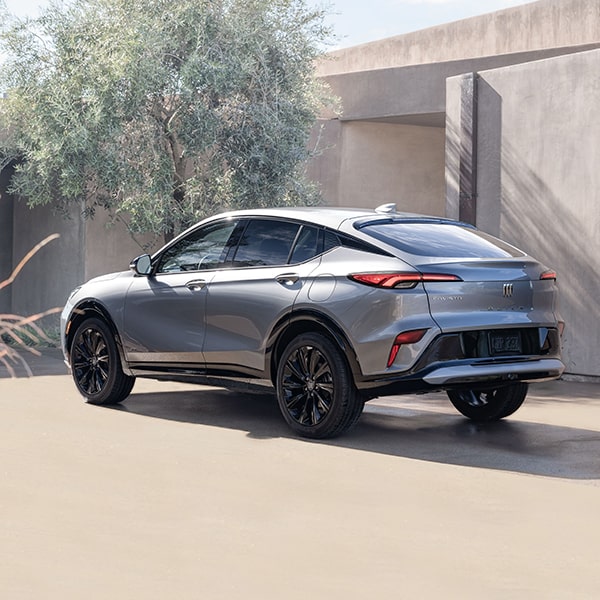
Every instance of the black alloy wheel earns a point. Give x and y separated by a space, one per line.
489 405
315 391
96 366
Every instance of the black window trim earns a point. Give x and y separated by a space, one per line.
242 223
157 256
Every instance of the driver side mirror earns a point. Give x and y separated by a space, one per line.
141 265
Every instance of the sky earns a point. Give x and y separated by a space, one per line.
359 21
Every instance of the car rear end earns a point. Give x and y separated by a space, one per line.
493 309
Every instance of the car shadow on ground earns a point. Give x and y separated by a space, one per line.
400 429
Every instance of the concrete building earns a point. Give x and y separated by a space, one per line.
491 119
494 120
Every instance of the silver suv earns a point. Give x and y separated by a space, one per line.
330 306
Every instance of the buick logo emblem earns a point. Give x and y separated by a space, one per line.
507 290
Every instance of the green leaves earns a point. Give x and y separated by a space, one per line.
168 111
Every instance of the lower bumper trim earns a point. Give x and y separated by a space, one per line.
539 370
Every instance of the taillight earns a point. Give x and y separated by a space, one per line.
407 337
548 275
400 280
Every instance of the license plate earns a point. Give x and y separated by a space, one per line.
505 342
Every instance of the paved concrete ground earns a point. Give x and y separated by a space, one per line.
190 492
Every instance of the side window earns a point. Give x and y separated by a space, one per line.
204 248
331 241
265 242
307 245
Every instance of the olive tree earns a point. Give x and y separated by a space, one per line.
165 111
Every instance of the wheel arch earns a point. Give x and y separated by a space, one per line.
306 321
88 309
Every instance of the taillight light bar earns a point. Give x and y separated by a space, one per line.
400 280
406 337
550 274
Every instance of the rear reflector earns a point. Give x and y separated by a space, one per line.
407 337
400 280
548 275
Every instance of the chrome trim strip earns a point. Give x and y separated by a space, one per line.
195 358
548 368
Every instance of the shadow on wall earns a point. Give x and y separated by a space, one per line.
522 200
540 222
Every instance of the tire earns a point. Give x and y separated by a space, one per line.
315 391
489 405
96 365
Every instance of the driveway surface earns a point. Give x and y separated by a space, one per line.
194 492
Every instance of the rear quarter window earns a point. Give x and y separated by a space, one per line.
443 240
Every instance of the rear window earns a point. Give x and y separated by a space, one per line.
440 240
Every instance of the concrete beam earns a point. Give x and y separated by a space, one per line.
529 27
417 92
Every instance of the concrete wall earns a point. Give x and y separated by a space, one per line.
415 95
48 277
384 163
6 240
535 26
324 168
365 164
85 249
539 181
109 246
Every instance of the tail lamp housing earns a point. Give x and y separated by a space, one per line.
400 280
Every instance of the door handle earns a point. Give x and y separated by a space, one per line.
195 284
287 278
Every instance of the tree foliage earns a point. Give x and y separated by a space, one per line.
163 110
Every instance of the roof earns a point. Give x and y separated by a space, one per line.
328 216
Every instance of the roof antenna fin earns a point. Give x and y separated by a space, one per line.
386 208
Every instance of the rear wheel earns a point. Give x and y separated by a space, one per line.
96 365
315 391
489 405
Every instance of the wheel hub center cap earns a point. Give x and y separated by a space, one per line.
310 385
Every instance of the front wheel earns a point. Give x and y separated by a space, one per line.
315 391
96 366
489 405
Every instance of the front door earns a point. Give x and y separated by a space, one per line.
164 314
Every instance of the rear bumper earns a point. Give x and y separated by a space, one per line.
535 370
465 374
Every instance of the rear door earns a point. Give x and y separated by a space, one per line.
265 273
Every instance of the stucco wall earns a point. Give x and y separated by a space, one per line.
376 163
416 95
85 249
6 240
48 277
539 182
534 26
109 246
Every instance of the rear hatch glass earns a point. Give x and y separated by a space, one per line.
439 240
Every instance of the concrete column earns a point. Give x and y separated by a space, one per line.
467 194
